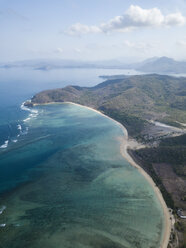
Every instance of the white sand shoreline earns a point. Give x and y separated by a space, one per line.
123 149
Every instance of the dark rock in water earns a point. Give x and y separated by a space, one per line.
28 104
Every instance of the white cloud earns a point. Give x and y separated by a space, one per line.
79 29
175 19
181 43
59 50
134 17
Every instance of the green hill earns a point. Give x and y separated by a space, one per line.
130 100
136 101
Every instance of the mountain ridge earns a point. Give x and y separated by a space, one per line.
151 65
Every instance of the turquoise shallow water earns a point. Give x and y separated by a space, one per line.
67 185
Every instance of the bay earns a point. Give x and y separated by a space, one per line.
75 188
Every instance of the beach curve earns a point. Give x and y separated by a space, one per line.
124 141
124 152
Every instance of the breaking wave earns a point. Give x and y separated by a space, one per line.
5 145
21 126
33 112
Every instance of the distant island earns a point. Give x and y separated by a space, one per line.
160 65
153 109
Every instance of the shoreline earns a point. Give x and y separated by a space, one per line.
123 150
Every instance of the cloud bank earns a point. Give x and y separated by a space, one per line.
135 17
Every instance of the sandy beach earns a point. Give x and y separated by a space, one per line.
167 224
125 144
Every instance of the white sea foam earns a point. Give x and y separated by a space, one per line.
33 112
30 117
27 119
5 144
2 209
2 225
22 131
19 127
23 107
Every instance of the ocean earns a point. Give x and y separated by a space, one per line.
63 181
19 84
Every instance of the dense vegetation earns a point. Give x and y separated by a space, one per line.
133 124
142 97
147 166
170 150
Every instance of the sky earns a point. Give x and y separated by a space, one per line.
92 30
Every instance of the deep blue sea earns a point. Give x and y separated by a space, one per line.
20 84
63 181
